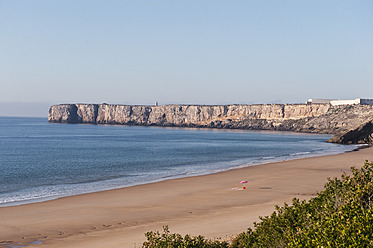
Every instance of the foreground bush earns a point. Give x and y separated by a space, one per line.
170 240
340 216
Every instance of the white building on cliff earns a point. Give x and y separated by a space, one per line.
360 101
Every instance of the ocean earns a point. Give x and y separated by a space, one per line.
40 161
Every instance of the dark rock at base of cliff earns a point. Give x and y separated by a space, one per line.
361 135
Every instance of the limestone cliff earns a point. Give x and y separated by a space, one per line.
314 118
179 115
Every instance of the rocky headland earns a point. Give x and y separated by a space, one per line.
309 118
360 135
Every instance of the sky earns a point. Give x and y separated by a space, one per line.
183 52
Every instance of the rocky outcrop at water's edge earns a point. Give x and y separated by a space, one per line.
361 135
310 118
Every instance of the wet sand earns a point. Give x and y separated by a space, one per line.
210 205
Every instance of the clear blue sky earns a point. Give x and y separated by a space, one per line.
191 51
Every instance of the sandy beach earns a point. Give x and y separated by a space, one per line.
210 205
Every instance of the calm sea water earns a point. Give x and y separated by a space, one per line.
41 160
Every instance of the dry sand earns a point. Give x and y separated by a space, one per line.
205 205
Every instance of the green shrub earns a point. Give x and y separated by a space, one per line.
171 240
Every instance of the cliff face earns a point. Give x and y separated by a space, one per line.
196 115
179 115
64 113
315 118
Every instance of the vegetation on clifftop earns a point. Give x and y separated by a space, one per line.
340 216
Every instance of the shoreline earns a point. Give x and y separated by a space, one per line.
205 205
259 162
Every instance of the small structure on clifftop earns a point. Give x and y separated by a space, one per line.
359 101
319 101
